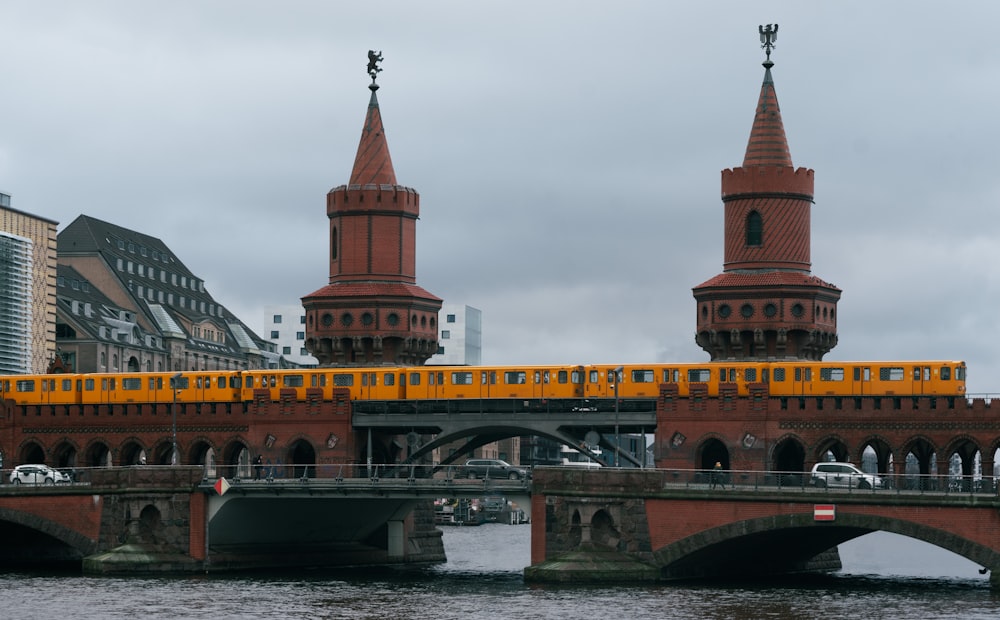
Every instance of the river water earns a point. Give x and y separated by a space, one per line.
884 576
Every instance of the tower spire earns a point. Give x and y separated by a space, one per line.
767 145
372 164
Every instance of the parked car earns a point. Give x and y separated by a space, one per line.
843 475
38 474
494 468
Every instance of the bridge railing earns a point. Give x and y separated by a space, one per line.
797 480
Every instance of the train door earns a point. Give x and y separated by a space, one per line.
862 380
541 378
488 383
368 388
921 379
802 377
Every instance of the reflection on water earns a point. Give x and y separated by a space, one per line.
885 576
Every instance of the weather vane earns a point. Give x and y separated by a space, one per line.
376 57
768 35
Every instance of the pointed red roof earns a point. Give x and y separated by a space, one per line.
373 165
767 145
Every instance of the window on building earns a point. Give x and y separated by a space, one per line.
755 229
300 335
445 334
450 318
274 333
277 319
286 350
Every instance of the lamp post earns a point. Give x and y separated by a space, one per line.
618 438
174 385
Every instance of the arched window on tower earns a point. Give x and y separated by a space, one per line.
333 244
755 229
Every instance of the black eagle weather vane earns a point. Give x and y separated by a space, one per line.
768 35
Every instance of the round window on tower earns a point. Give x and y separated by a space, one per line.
798 310
346 319
367 318
746 310
770 310
327 319
393 319
725 311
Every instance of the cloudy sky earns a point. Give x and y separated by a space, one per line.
567 155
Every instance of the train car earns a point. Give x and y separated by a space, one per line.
875 378
59 389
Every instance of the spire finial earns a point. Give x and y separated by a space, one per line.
373 69
768 35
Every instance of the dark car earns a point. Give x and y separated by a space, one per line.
494 468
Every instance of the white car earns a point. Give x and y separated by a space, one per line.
38 474
845 476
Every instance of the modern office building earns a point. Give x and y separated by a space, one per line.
27 290
460 339
287 332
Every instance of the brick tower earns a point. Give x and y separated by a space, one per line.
372 312
766 304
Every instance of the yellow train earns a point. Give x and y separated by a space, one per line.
571 385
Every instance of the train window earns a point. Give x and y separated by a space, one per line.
292 381
809 373
461 378
750 374
642 376
593 376
670 375
576 377
493 377
131 383
733 375
25 385
388 379
546 376
235 381
197 382
927 373
960 373
891 373
831 374
763 375
274 380
343 379
414 378
373 379
538 377
88 385
562 376
515 377
916 373
945 373
220 382
798 374
430 378
67 385
779 374
699 375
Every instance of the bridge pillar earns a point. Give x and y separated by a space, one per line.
396 536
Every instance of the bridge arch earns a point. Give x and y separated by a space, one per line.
711 450
131 452
236 458
831 445
64 454
43 540
97 454
31 451
788 454
882 450
791 541
302 458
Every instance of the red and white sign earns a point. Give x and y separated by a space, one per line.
221 486
824 512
